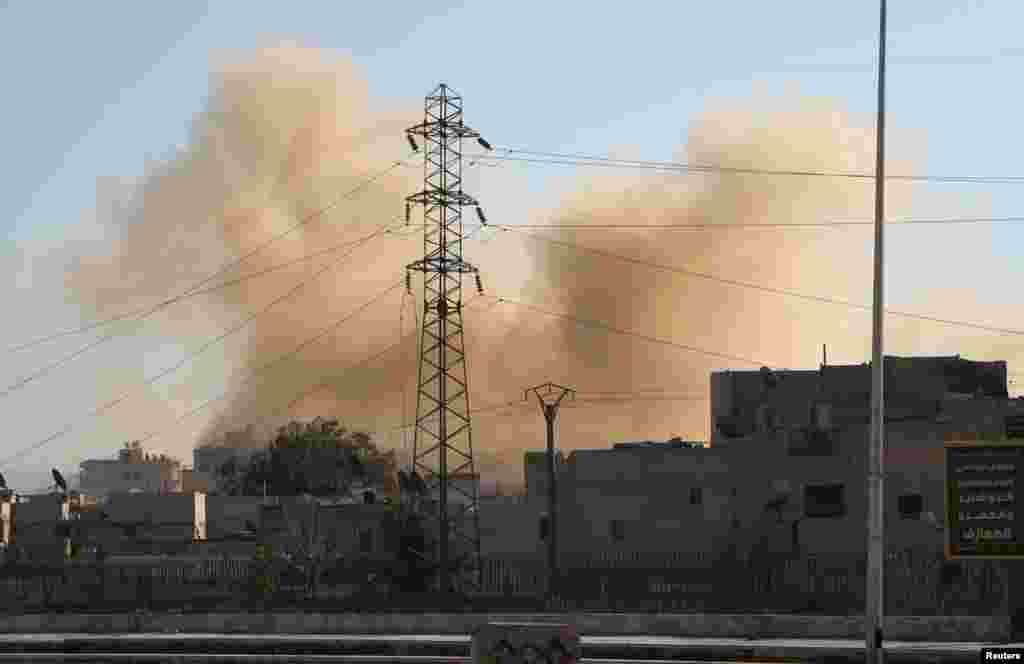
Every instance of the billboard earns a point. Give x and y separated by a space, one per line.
983 514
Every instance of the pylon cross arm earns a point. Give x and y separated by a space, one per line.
442 198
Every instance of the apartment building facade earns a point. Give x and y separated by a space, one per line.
132 471
786 467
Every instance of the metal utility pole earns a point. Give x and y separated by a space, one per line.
549 406
442 439
874 612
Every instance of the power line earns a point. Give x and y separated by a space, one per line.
661 394
468 308
202 349
282 173
588 396
909 60
629 333
331 328
744 225
159 307
767 289
205 291
68 429
639 399
576 159
325 383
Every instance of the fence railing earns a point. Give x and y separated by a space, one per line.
916 584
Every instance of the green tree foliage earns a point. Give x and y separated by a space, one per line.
320 458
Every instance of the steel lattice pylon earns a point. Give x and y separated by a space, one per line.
442 442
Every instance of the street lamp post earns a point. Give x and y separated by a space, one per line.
875 609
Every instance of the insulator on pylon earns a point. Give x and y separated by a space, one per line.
415 148
479 285
408 212
408 283
484 144
480 213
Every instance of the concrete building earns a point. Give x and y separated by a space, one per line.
510 527
131 471
191 483
787 466
462 488
764 401
535 472
35 524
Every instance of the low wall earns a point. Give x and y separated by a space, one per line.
941 629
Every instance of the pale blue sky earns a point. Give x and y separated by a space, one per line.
98 89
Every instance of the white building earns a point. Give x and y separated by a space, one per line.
132 471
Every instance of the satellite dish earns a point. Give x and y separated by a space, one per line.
59 479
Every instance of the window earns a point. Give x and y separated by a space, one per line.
910 505
696 496
824 501
545 527
1014 426
617 530
732 492
127 475
365 540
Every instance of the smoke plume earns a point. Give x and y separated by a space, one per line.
288 132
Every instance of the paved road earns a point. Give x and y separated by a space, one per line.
43 658
449 649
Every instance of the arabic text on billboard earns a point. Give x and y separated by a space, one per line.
982 511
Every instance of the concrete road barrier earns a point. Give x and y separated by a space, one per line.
897 628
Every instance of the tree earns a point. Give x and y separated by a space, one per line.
320 458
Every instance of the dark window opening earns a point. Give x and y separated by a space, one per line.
545 527
1014 426
617 529
910 505
365 541
824 501
696 496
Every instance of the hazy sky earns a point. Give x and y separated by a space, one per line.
97 92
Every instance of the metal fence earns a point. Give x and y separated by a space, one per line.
917 583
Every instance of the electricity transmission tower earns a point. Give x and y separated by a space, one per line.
442 439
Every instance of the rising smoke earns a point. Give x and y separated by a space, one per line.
288 131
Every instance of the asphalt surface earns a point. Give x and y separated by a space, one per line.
334 659
449 649
342 659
